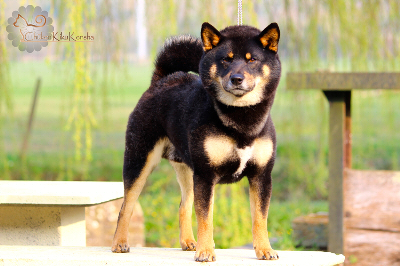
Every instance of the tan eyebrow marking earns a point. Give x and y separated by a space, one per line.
248 56
230 55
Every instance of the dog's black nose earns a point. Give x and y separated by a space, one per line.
237 79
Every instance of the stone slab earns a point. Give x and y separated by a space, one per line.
42 225
59 192
88 256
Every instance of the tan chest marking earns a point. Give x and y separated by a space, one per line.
220 149
263 150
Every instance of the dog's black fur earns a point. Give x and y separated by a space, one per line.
215 127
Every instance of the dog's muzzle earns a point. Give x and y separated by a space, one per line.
237 85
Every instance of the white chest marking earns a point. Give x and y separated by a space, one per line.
244 156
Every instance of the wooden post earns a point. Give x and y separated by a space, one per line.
339 159
337 88
347 133
24 146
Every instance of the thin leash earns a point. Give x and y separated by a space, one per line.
240 21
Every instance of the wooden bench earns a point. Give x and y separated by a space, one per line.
88 256
364 206
50 213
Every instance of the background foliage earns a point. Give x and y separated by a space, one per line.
89 89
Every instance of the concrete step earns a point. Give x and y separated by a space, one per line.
95 256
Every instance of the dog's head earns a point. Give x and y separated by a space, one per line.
240 65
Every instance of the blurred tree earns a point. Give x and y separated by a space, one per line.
81 117
141 30
5 96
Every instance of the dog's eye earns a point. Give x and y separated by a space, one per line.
252 60
227 60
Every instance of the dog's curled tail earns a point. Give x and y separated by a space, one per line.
180 53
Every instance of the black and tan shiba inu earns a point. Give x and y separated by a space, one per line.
214 128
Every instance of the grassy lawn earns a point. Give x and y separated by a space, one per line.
300 173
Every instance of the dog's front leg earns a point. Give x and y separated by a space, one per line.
260 195
203 203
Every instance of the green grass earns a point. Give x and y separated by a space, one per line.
300 172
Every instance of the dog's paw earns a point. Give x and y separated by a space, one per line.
266 254
205 255
122 247
188 245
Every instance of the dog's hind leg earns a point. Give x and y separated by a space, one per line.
138 165
185 179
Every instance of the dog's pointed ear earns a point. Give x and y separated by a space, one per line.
269 37
210 36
